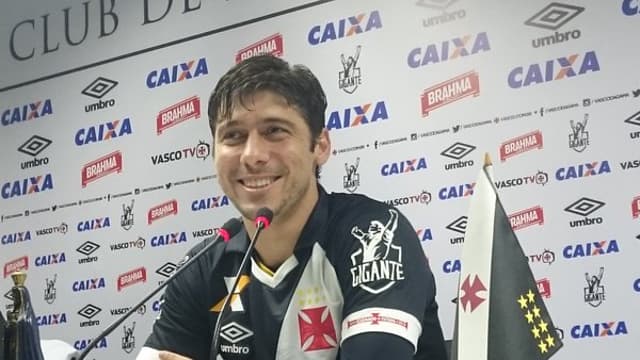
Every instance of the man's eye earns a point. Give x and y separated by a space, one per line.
275 130
231 135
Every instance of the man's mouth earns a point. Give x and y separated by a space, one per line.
258 183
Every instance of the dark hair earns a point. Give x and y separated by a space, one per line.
296 84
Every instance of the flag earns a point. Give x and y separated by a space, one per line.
500 313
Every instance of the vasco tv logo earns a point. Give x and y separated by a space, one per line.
458 151
585 207
97 90
448 50
201 151
33 147
184 71
30 185
560 68
352 25
107 131
26 112
357 115
553 17
630 7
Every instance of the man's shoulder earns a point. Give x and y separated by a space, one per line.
344 206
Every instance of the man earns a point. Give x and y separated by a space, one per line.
335 276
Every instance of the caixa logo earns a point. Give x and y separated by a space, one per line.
357 115
93 224
424 234
15 238
583 170
595 248
179 72
352 25
456 191
451 266
102 132
169 239
88 284
556 69
30 185
210 203
404 166
26 112
51 259
82 344
51 319
630 7
611 328
448 50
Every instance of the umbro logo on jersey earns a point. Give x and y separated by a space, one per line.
378 261
235 333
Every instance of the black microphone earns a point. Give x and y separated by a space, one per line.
226 232
263 220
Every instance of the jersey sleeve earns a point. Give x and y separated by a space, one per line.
386 282
182 325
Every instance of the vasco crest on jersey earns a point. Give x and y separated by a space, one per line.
377 264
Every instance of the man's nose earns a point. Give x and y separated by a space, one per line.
256 150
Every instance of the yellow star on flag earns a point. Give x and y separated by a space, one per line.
531 296
529 317
550 340
536 311
523 302
543 347
543 326
536 332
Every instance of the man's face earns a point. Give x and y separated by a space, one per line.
263 156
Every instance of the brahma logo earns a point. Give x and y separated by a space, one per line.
451 266
51 259
51 319
101 167
584 207
15 237
178 113
82 344
630 7
635 207
26 112
132 277
610 328
520 144
526 218
97 90
88 284
540 178
163 210
343 119
30 185
179 72
456 191
200 151
210 203
33 147
93 224
552 17
405 166
595 248
449 91
550 71
448 50
21 263
458 151
273 45
544 287
102 132
582 170
169 239
378 264
352 25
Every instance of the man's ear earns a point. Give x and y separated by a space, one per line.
322 149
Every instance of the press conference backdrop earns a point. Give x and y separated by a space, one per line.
107 175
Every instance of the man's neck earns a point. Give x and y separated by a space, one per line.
276 244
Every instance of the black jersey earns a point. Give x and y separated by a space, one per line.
358 281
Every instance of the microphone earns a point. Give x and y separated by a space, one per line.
226 232
263 220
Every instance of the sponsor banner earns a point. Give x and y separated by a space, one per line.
163 210
101 167
21 263
132 277
178 113
273 45
437 96
521 144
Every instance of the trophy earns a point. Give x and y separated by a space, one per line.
21 335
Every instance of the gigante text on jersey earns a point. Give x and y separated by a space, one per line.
376 270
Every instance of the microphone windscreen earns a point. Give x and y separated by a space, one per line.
230 228
264 216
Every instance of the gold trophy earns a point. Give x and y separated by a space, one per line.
22 338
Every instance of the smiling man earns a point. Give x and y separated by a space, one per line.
335 276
